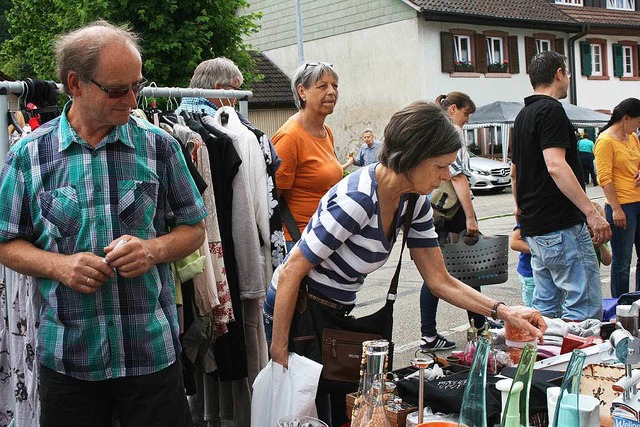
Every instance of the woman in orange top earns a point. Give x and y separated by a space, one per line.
617 153
305 144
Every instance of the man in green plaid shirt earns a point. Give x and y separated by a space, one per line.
70 194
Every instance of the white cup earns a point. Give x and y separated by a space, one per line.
589 407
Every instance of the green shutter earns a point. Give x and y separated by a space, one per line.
618 60
585 58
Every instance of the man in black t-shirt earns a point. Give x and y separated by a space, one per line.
551 205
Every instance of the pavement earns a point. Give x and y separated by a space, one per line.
495 217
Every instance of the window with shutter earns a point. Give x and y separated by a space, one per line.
560 46
458 50
594 58
618 60
629 60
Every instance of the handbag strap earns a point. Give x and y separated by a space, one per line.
288 219
408 216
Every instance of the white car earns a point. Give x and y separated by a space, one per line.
488 174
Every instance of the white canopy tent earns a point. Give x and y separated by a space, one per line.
502 114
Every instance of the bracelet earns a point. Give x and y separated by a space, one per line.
494 309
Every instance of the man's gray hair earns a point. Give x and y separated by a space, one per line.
214 71
307 75
417 132
368 130
80 50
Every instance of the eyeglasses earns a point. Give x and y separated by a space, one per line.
120 92
567 73
315 64
232 87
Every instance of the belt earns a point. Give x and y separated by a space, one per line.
345 309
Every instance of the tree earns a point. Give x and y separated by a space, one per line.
176 35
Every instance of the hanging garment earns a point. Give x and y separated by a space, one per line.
230 349
254 261
250 260
278 248
19 374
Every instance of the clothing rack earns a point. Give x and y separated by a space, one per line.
18 88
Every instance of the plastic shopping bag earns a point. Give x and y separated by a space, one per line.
278 392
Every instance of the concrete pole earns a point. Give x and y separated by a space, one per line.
299 31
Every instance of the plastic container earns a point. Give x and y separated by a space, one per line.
516 339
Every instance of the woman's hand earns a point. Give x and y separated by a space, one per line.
472 227
524 318
619 218
280 353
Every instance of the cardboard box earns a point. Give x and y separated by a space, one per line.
396 418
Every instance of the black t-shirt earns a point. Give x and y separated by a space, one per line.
541 124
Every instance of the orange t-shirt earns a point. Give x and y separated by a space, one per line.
309 169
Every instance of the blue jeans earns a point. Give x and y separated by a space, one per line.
622 243
566 274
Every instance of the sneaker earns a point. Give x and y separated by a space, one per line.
440 343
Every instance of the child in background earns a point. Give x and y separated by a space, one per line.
525 274
602 251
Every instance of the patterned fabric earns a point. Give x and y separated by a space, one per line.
197 105
66 197
344 240
19 307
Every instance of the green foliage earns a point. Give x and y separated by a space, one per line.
176 35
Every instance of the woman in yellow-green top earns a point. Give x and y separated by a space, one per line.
617 153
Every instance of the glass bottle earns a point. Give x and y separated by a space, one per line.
377 358
474 401
516 412
567 412
359 406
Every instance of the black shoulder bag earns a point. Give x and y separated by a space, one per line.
335 340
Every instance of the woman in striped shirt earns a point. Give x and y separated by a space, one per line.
357 222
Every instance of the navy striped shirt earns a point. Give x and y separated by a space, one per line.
345 241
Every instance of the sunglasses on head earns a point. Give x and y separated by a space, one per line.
119 92
315 64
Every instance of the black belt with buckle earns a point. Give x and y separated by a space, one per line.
343 309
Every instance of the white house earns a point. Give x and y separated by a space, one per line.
389 53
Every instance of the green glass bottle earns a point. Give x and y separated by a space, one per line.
474 400
516 412
567 413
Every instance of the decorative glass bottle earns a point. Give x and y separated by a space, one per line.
474 401
359 405
567 412
377 358
516 412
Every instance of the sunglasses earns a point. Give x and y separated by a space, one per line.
315 64
120 92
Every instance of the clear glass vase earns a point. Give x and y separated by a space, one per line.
516 412
474 400
567 412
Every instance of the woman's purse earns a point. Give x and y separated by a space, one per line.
334 340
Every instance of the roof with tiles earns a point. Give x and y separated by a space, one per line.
522 10
599 16
274 90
